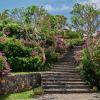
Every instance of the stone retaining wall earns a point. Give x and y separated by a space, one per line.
18 83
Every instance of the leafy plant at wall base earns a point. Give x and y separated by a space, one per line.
89 70
4 66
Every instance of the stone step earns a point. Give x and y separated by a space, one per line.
67 86
64 83
64 77
64 91
61 73
68 70
64 62
60 79
61 76
64 71
64 66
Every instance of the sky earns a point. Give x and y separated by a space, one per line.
61 7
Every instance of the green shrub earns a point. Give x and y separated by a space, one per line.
2 65
72 35
90 69
25 63
14 48
1 26
96 61
38 91
47 65
1 34
73 42
86 70
12 29
51 55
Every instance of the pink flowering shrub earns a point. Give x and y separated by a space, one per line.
34 53
60 43
4 66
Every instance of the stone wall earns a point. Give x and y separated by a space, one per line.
18 83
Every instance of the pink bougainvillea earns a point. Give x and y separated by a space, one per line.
60 44
34 53
4 66
7 33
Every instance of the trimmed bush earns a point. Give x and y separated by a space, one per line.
14 48
72 35
25 63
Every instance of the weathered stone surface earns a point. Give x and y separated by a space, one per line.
18 83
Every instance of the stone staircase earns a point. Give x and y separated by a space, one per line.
64 77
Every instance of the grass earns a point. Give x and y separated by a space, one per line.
23 95
22 73
18 73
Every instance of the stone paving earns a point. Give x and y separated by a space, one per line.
74 96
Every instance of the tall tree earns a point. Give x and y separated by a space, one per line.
86 19
30 19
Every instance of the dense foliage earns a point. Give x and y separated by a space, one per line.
31 39
25 35
90 69
86 19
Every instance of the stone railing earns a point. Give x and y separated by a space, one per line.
18 83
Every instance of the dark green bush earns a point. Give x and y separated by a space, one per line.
1 26
86 70
14 48
90 69
25 63
12 29
1 34
72 34
96 61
